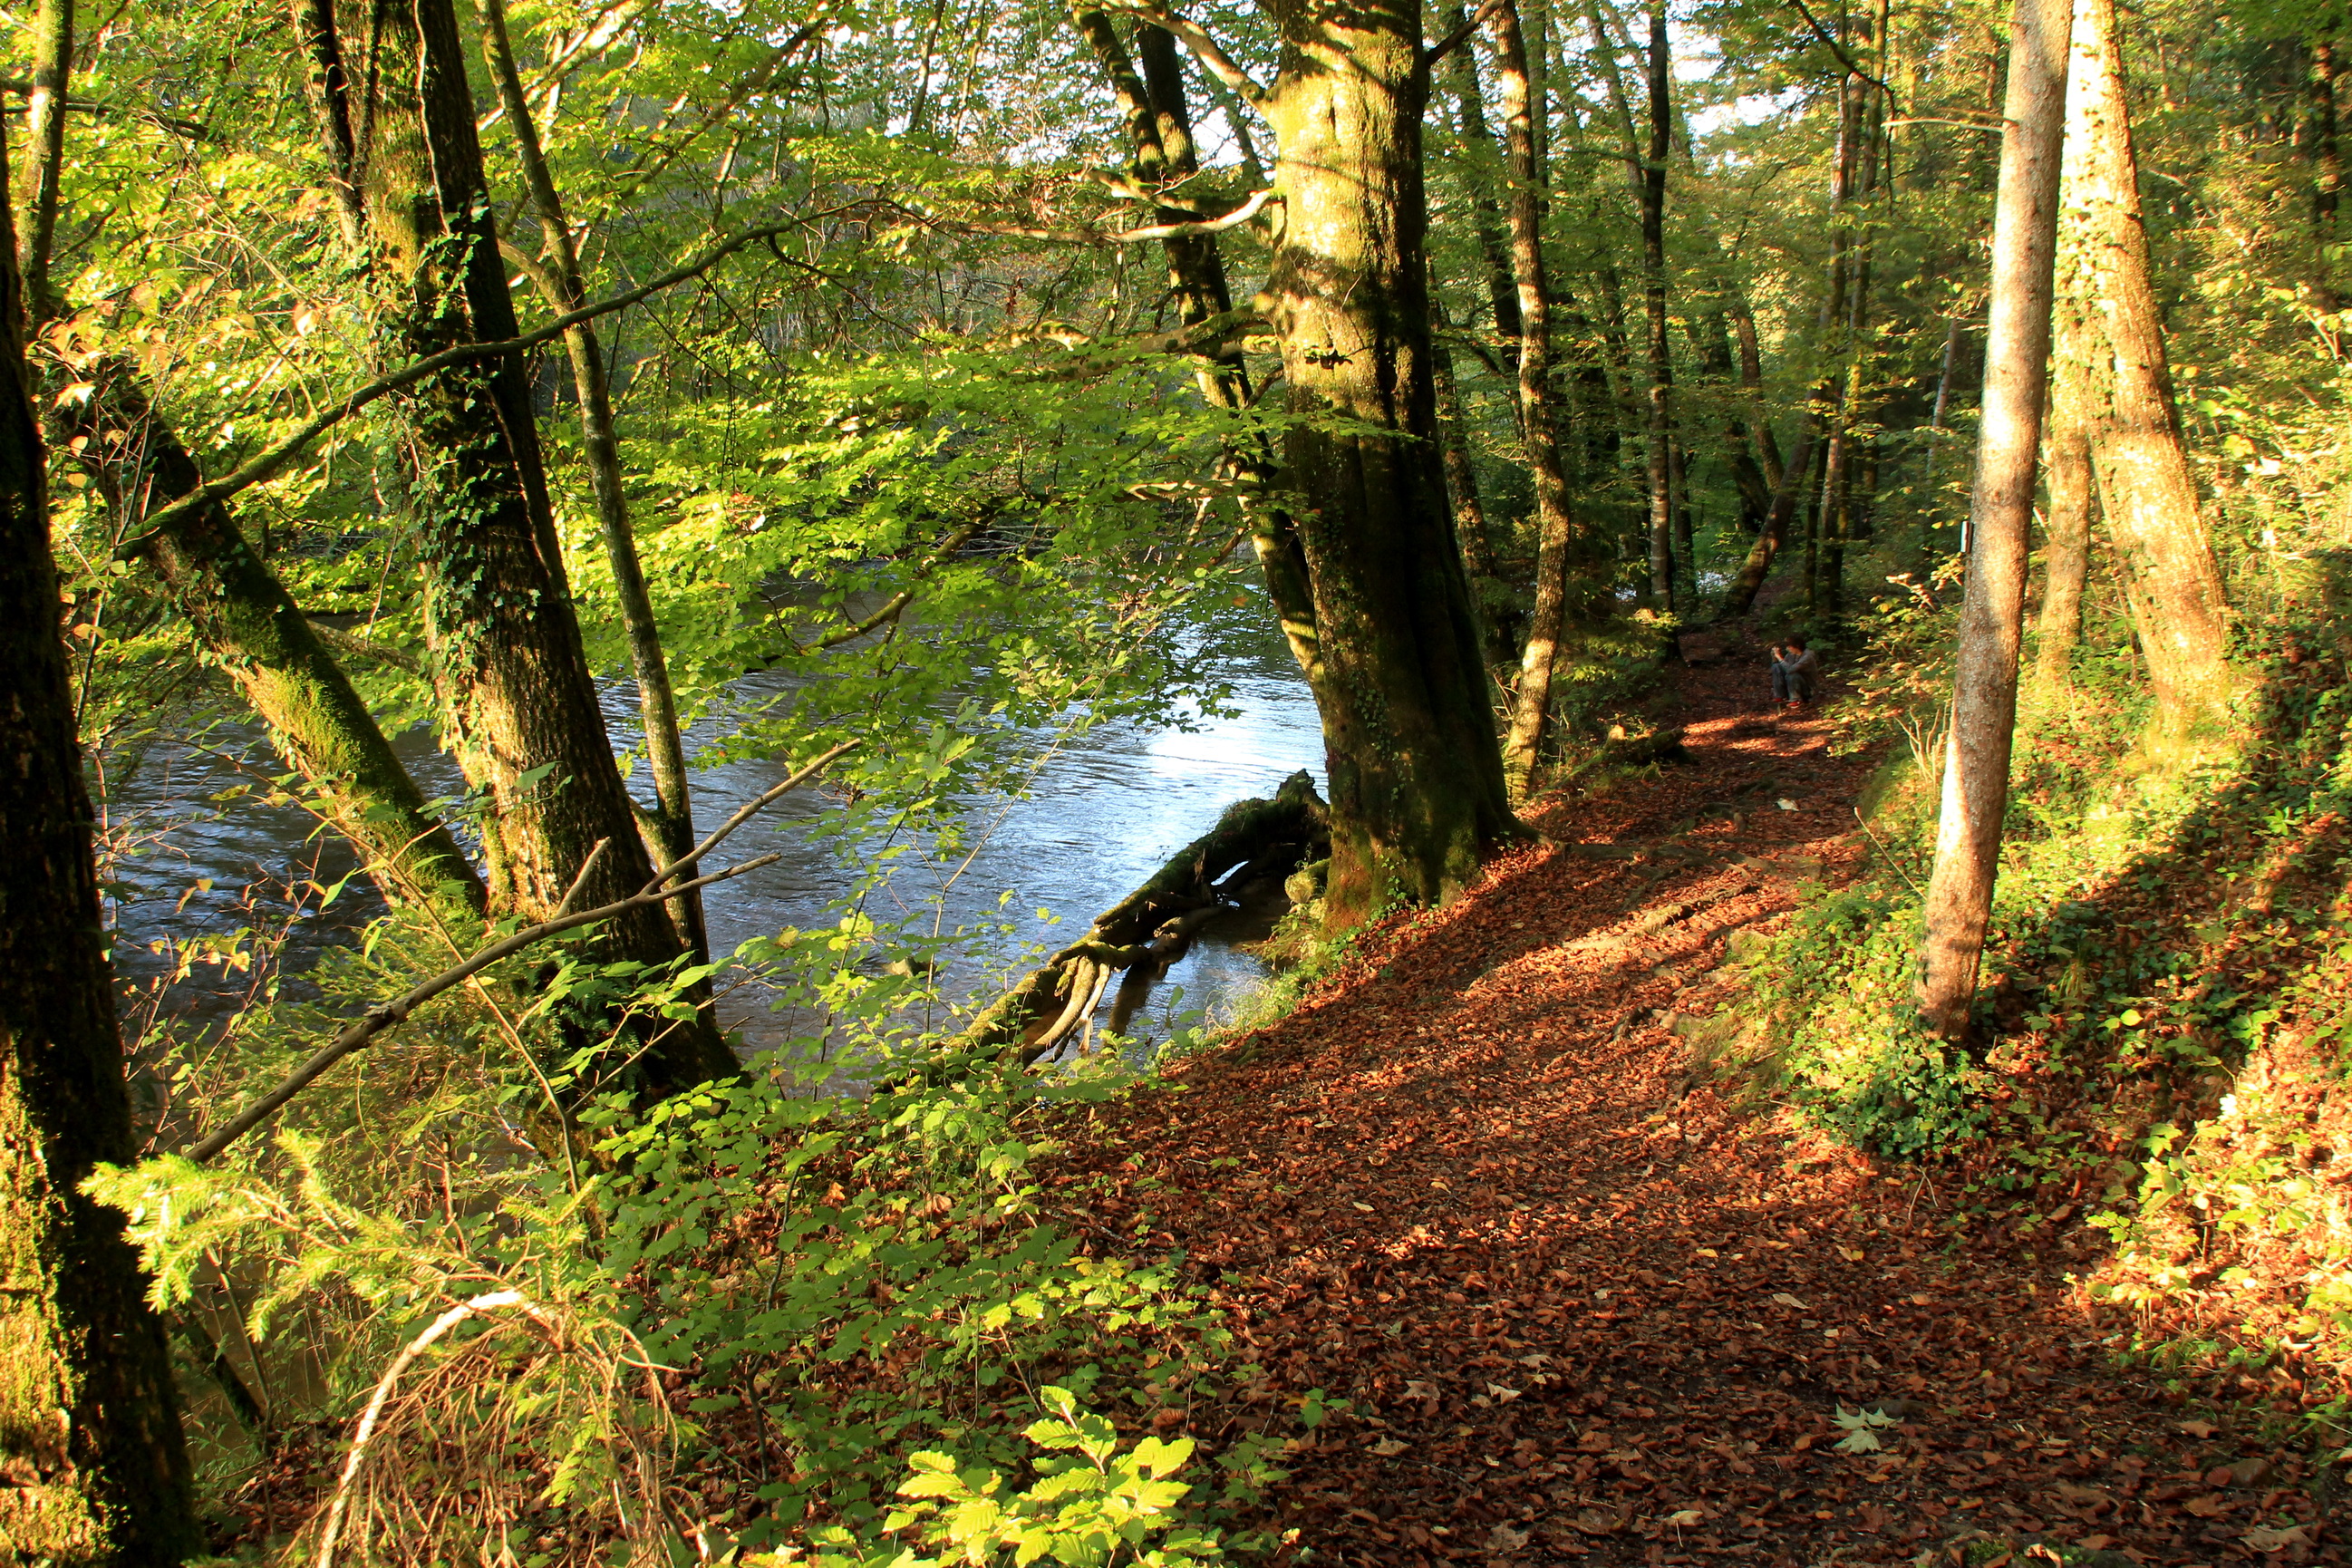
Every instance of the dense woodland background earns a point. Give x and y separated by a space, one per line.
980 368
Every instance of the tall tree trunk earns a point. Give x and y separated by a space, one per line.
44 129
2000 507
2146 489
1160 135
1751 382
1661 423
240 612
89 1422
1486 222
2075 390
561 282
1417 784
1539 416
1497 616
518 698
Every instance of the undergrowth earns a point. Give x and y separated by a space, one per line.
474 1307
2153 1096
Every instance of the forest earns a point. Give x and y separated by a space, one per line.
1695 653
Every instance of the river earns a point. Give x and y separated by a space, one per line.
1103 813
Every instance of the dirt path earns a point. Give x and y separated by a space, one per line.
1581 1314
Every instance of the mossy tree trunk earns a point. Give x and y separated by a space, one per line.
2146 489
518 701
93 1472
1416 775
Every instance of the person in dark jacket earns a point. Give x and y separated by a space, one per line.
1796 673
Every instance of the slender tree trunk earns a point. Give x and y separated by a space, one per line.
516 695
44 129
1984 682
2146 489
1751 382
561 282
1160 134
1539 417
90 1442
1661 423
1417 784
327 86
1486 222
1496 614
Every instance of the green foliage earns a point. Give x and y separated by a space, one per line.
1093 1505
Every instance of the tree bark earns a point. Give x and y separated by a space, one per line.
561 282
1539 416
251 628
1502 286
2146 489
2000 507
1654 300
517 699
241 614
91 1442
45 130
2067 552
1417 787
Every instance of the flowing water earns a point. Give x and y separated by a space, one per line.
1103 814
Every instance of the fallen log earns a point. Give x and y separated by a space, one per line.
1151 927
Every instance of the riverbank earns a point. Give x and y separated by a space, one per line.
1587 1300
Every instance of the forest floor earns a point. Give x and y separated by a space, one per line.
1587 1302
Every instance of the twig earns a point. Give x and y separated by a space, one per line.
490 1301
1884 850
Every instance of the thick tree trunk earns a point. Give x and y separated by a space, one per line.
516 695
1984 682
2146 489
561 282
1416 776
1539 416
96 1472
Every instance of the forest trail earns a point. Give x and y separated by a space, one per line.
1585 1308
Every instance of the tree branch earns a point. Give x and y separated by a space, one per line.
274 459
377 1020
1460 35
1196 38
1838 49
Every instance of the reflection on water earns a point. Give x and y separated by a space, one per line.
1103 814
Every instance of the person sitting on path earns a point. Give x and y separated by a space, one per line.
1780 673
1798 674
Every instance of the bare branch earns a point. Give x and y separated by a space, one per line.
377 1020
1838 49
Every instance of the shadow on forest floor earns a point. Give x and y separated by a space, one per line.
1584 1307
